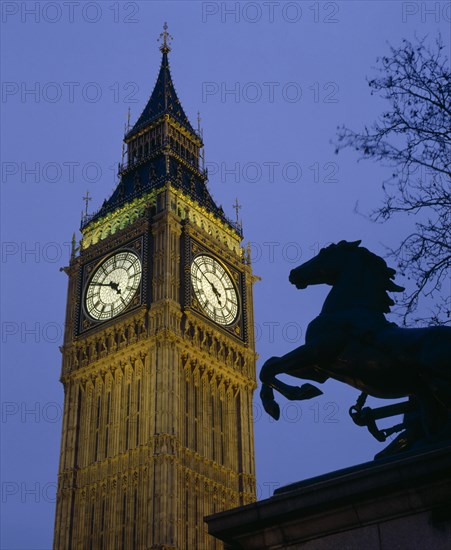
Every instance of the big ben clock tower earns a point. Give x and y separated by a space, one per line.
158 358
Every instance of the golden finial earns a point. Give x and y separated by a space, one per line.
165 37
249 254
73 246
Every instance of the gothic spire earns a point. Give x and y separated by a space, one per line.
162 149
163 99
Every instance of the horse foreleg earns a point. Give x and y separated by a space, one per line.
306 391
269 403
295 360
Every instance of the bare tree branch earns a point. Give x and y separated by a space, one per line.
413 137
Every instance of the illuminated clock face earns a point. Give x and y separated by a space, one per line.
113 285
214 290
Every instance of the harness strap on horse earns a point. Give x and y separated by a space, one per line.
366 416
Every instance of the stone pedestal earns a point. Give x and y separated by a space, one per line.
402 503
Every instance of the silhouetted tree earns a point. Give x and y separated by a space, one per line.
413 137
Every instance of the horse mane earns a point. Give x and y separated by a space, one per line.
382 274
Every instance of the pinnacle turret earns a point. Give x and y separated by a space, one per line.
163 99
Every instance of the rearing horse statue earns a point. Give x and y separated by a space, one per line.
352 341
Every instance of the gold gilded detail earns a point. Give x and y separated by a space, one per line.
120 218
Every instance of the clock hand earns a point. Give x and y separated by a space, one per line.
217 293
214 289
111 284
115 286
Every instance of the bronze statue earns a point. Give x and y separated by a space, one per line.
352 341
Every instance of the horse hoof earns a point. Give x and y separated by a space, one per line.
306 391
310 391
272 408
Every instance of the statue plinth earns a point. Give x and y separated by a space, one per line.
392 503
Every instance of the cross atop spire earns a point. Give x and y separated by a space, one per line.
165 37
87 198
237 206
